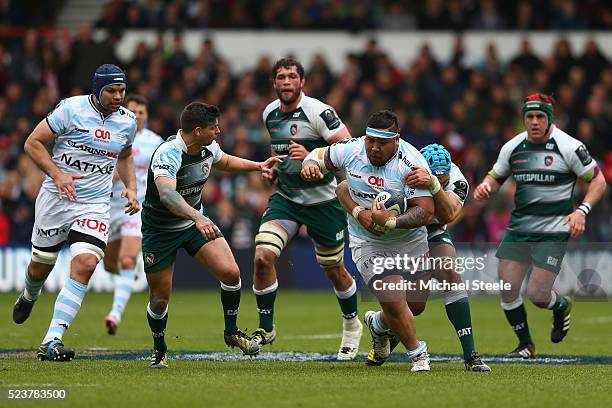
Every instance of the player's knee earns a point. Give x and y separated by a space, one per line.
85 262
127 262
330 258
158 304
264 260
230 275
39 270
417 308
538 297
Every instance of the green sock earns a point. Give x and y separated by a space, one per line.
459 315
517 318
348 301
157 323
265 308
230 299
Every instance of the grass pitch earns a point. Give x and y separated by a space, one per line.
113 370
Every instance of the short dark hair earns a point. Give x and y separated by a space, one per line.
139 99
198 114
288 63
384 119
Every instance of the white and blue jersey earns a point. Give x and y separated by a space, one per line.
88 144
365 181
144 146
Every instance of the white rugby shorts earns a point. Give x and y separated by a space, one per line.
55 218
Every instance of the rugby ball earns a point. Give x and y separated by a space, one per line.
394 201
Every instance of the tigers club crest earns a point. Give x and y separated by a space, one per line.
548 161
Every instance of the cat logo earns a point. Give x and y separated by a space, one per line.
550 146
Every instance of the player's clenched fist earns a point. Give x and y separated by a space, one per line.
483 191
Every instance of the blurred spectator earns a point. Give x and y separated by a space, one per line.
470 108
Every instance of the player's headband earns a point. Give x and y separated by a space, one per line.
542 103
380 133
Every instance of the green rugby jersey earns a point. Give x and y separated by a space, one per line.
545 175
190 172
312 125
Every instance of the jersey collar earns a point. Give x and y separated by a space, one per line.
180 142
98 111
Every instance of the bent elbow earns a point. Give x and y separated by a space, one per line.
28 147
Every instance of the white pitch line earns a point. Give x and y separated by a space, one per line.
313 337
598 319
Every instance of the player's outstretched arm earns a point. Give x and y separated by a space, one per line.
36 148
339 135
127 174
236 164
484 190
314 166
447 204
176 204
595 191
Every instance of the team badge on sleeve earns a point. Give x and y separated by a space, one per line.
332 121
583 155
461 189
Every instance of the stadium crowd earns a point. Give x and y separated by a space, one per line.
472 110
358 15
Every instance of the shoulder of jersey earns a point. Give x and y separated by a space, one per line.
168 146
564 139
126 113
408 148
213 146
313 105
270 107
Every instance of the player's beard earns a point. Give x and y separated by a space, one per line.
291 99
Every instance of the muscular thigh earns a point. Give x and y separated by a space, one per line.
217 257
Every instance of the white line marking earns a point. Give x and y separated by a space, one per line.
313 337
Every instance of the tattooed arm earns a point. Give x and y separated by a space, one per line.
176 204
417 216
420 213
